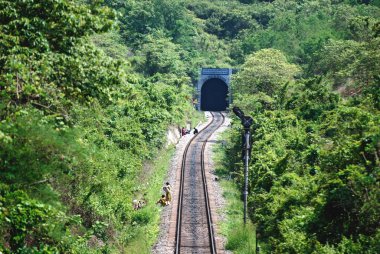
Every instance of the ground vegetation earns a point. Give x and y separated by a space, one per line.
77 126
87 89
314 170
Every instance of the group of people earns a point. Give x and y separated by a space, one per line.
166 198
184 131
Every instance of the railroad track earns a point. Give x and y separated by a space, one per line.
194 228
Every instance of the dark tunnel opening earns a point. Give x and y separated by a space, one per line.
214 95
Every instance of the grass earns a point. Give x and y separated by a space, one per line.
149 215
241 239
152 179
197 117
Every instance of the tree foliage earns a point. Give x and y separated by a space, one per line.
82 110
76 127
265 71
315 157
314 171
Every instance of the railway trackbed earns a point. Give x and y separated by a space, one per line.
194 225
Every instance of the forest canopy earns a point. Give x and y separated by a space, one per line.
87 89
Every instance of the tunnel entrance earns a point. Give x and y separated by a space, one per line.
214 95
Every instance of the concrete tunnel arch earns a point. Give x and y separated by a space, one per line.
214 95
213 89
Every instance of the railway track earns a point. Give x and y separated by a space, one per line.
194 228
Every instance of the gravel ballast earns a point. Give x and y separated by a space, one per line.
166 238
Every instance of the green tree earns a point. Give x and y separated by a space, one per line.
161 55
140 18
44 57
265 71
353 64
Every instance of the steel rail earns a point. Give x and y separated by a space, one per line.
209 218
180 196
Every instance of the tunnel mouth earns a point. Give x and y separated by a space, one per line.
214 95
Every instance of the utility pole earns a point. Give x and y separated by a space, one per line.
247 122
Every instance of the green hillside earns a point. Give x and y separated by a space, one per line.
88 89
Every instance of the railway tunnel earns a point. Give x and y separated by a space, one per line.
214 95
214 89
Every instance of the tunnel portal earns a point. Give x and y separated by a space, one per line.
214 95
213 89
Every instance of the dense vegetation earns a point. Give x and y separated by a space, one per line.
76 126
314 96
87 89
